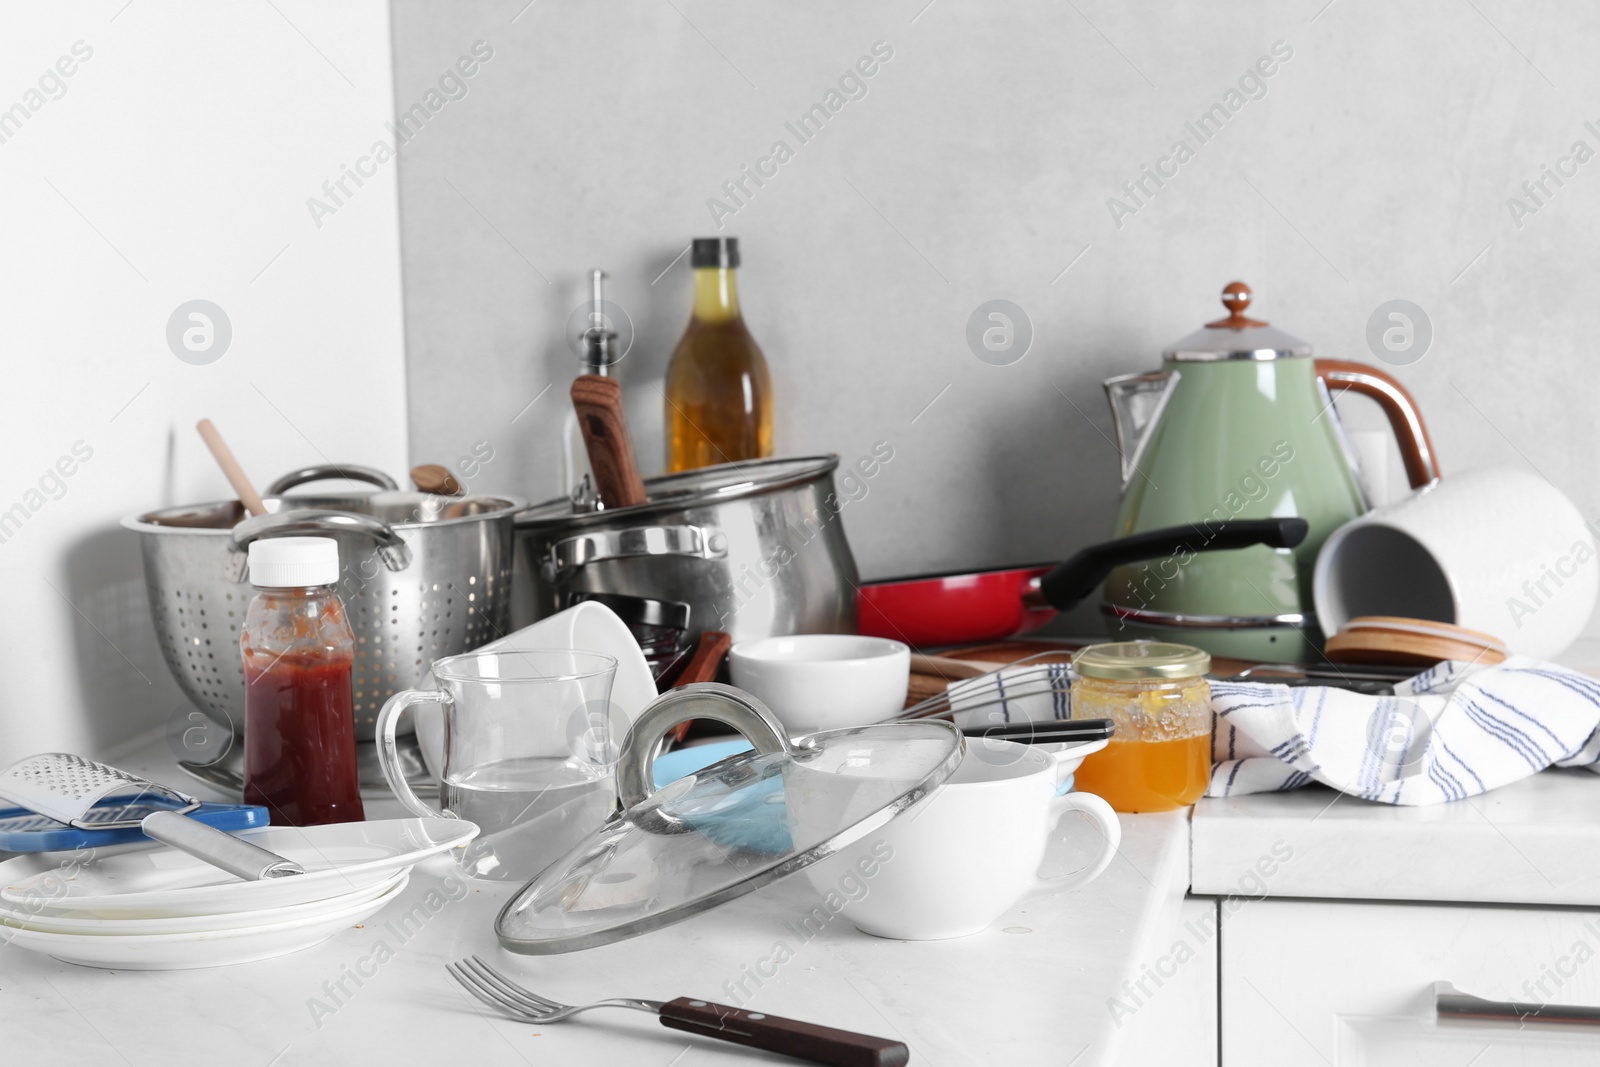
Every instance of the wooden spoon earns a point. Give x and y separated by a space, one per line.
230 468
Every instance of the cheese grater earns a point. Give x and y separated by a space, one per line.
85 794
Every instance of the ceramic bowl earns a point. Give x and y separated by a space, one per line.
824 681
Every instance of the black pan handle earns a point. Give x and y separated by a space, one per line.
1081 575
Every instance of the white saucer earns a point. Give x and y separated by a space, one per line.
50 921
213 948
149 883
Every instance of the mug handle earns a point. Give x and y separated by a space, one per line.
389 751
1105 821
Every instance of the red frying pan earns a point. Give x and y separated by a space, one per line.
959 609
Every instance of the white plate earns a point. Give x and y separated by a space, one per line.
584 627
157 882
214 948
49 921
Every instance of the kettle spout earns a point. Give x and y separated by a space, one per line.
1137 401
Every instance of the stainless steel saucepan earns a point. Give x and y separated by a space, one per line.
756 549
422 577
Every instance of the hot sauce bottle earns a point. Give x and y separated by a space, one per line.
298 649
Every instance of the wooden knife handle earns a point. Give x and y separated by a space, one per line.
709 653
806 1041
598 402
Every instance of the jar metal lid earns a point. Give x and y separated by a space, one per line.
1135 661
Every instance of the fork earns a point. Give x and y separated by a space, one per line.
806 1041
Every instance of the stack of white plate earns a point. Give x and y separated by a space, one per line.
137 907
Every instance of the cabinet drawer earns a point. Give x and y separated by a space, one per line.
1350 984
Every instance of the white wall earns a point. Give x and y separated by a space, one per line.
175 166
1377 166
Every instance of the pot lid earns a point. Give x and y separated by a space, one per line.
705 485
715 835
1236 337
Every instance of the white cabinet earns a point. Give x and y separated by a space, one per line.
1349 984
1168 1010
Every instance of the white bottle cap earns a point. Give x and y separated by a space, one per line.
284 562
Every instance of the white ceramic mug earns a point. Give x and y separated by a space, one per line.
1497 549
953 865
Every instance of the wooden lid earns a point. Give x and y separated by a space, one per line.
1411 642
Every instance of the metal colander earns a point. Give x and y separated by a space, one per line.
422 577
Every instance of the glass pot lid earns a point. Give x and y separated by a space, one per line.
1236 337
715 835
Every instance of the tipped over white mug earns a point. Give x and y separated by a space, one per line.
1496 549
954 864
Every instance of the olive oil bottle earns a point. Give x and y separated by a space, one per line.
719 394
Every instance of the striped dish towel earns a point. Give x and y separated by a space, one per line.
1454 731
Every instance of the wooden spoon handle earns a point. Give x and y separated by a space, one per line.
598 402
806 1041
230 468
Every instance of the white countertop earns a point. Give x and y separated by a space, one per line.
1033 989
1534 842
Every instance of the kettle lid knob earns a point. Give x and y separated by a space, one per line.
1236 297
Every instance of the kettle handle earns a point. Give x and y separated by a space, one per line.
1410 433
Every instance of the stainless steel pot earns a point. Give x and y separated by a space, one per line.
757 549
423 577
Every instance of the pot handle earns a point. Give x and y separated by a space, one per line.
697 542
702 700
319 522
325 471
1410 433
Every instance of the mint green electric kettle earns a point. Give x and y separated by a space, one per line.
1239 423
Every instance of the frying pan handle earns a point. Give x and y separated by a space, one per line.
1081 575
324 471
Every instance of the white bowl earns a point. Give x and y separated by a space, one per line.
824 681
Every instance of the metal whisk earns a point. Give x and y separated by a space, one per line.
1003 687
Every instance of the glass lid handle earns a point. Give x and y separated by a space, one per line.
703 700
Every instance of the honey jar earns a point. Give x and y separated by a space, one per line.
1156 694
